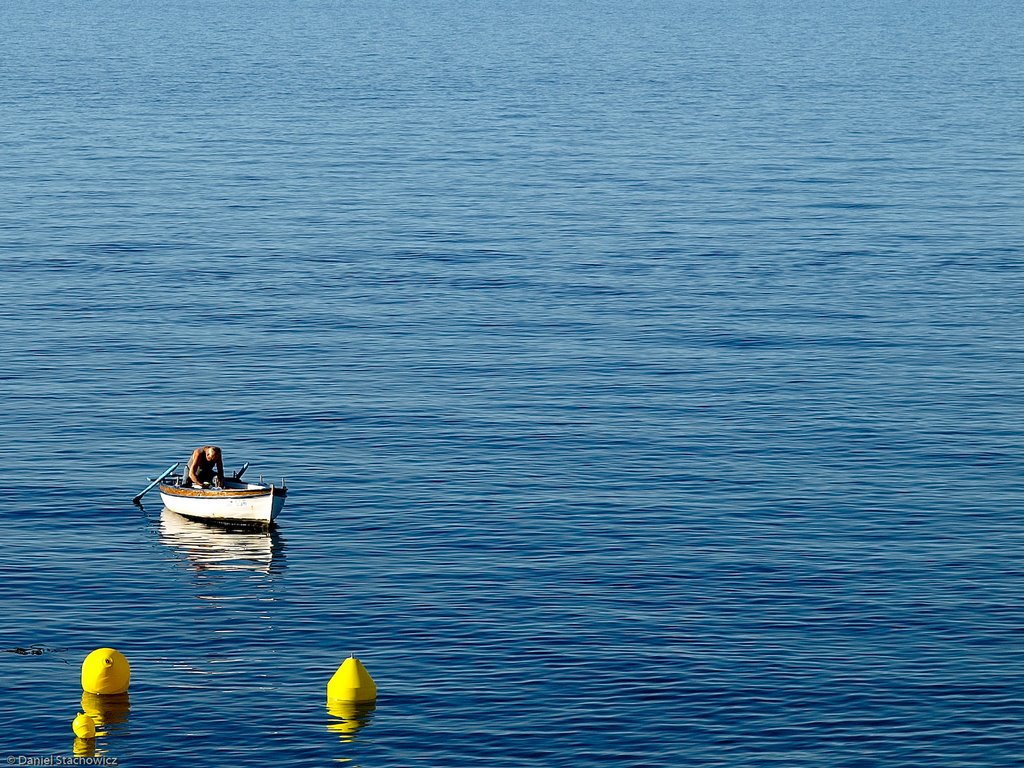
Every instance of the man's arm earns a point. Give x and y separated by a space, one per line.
192 466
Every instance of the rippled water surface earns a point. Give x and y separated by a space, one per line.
646 378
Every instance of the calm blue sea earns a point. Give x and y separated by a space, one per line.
646 376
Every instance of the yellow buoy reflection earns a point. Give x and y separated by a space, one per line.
84 747
352 716
106 710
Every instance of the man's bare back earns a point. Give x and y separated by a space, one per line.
205 465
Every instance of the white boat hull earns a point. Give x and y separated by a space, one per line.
247 503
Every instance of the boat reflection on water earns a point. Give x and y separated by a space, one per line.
351 717
220 548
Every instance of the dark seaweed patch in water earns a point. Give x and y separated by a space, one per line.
33 650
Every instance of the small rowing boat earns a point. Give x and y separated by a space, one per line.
235 502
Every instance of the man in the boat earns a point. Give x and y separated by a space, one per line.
206 467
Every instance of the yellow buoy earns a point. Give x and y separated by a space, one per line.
105 671
84 727
352 682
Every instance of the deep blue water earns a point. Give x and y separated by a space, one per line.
646 377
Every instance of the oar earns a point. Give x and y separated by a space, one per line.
239 473
149 487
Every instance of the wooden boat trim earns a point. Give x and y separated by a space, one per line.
226 493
